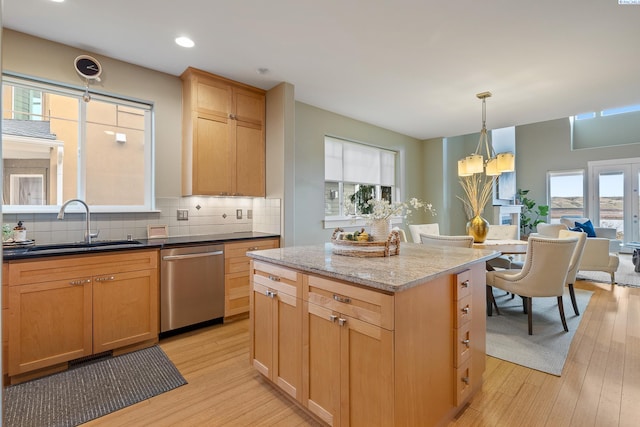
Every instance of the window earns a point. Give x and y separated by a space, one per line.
57 147
356 172
566 194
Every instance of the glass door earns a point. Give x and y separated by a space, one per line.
614 198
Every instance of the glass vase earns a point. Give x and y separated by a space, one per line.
478 227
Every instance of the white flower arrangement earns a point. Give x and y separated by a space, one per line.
382 209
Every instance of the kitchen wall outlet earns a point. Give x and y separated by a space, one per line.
183 214
238 213
249 213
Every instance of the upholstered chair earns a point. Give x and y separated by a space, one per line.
549 230
543 274
416 229
503 232
437 240
597 257
576 258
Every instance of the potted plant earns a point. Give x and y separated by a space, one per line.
531 215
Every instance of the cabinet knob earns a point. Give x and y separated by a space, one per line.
465 380
466 310
466 342
465 284
271 294
342 321
333 318
340 298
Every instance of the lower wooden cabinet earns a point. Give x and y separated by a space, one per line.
276 346
369 357
350 369
64 308
236 273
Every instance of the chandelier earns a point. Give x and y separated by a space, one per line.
495 164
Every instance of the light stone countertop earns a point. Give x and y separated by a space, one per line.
414 265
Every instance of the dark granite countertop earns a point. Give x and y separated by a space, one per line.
26 252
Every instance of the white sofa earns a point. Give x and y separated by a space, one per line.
597 255
604 232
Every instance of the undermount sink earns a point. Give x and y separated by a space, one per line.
80 246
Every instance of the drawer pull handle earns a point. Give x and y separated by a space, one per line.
339 298
104 279
465 380
466 342
271 294
79 282
465 284
342 321
333 318
466 310
274 278
253 248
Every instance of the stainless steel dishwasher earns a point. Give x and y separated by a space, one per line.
191 285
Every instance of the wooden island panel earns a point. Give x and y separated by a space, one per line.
373 357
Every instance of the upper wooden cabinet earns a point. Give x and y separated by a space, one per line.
223 147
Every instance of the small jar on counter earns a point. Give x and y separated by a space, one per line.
19 232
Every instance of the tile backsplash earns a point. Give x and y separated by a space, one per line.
207 215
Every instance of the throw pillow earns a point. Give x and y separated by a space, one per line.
587 227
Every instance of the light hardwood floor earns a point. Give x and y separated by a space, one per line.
599 386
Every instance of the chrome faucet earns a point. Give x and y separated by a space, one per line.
87 235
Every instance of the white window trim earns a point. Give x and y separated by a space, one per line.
149 150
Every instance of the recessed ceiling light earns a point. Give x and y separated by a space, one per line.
57 1
184 42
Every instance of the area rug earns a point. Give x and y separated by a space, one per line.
90 390
546 350
625 276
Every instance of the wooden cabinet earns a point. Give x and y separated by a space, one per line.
276 344
348 369
374 358
64 308
236 277
223 147
5 322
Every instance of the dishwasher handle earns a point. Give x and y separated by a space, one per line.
187 256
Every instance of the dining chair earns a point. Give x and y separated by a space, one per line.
439 240
576 258
543 274
416 229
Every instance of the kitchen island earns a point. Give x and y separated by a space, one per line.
383 341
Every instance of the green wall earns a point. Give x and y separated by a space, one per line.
311 125
546 146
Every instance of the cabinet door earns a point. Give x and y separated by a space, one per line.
262 326
250 160
125 309
249 115
50 323
366 374
287 344
321 370
212 156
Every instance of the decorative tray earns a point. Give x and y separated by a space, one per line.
13 244
380 248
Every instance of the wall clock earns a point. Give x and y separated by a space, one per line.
88 67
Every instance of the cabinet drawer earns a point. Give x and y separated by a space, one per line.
464 312
462 346
360 303
280 279
463 284
240 249
463 382
24 272
237 265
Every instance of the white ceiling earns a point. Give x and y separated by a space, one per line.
411 66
